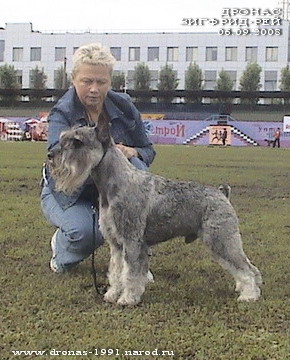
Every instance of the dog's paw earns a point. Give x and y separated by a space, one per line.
127 300
150 277
111 296
250 297
238 286
243 298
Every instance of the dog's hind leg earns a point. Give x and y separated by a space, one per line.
114 273
226 248
134 275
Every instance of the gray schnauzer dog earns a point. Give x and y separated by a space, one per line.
139 209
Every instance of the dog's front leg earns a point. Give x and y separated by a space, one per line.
114 273
134 275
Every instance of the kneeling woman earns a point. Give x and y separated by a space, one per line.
89 99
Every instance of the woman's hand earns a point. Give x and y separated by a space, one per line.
129 152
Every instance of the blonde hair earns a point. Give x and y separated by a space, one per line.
92 54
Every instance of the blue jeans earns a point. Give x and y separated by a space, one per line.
75 235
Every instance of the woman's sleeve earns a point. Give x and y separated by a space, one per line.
143 145
57 123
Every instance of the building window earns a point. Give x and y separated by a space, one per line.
35 54
60 53
272 53
211 54
2 48
209 79
117 73
153 53
172 54
191 53
271 80
134 54
251 54
19 77
17 54
75 49
153 79
118 80
130 79
31 82
116 52
233 75
231 54
57 79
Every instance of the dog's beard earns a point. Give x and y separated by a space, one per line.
71 169
69 175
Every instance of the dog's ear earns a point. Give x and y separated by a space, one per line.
103 132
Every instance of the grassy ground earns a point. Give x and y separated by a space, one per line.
190 310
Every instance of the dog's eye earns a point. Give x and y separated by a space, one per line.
77 143
50 155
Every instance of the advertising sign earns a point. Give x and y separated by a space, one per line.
286 123
219 135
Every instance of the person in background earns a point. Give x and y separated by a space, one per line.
277 136
224 136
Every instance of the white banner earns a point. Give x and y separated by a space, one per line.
286 123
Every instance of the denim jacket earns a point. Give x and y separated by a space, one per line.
126 128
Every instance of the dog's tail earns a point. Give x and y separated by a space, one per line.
226 190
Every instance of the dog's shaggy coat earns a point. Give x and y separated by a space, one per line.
139 209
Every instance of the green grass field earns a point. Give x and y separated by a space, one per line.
190 310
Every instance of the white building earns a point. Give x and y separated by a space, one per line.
25 48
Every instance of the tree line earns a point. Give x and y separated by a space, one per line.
167 79
9 78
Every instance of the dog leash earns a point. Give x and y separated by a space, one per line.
94 273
